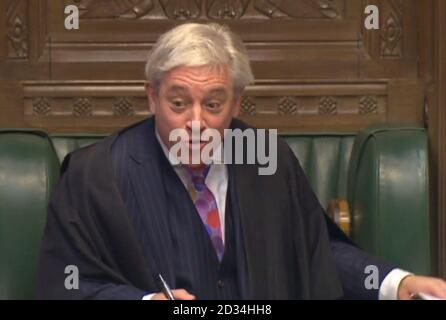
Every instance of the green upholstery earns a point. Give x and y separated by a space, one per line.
65 143
389 195
385 181
29 170
324 158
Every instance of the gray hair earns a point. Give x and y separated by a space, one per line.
193 45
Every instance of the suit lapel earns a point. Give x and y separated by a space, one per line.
151 216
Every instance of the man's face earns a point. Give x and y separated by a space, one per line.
186 94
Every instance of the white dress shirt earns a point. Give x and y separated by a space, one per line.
217 182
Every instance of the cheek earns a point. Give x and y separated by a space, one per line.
166 124
172 121
219 122
166 120
167 115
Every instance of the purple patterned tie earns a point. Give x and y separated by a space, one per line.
207 208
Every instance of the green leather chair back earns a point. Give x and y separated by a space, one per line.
65 143
388 190
325 159
29 170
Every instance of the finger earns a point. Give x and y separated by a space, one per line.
406 296
159 296
181 294
439 289
432 286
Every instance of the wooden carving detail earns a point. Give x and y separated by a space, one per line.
287 106
248 107
17 29
123 107
226 9
41 107
82 107
298 9
328 105
182 9
392 30
368 105
388 41
210 9
125 9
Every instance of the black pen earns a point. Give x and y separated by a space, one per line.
165 288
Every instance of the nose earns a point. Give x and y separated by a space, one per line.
195 117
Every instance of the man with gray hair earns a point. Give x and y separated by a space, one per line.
126 215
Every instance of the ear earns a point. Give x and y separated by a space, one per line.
152 96
237 103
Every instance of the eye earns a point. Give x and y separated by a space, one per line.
178 104
213 105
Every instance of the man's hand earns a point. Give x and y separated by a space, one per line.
179 294
412 285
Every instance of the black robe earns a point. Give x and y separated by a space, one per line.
284 232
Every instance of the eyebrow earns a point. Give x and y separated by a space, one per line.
180 90
177 90
218 92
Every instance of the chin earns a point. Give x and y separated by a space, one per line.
196 166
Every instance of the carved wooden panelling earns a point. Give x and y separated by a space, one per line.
392 30
127 9
328 9
390 51
328 105
74 101
210 9
287 39
312 100
387 42
17 28
313 105
314 63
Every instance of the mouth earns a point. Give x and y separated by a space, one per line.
195 144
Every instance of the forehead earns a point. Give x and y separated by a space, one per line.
197 79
